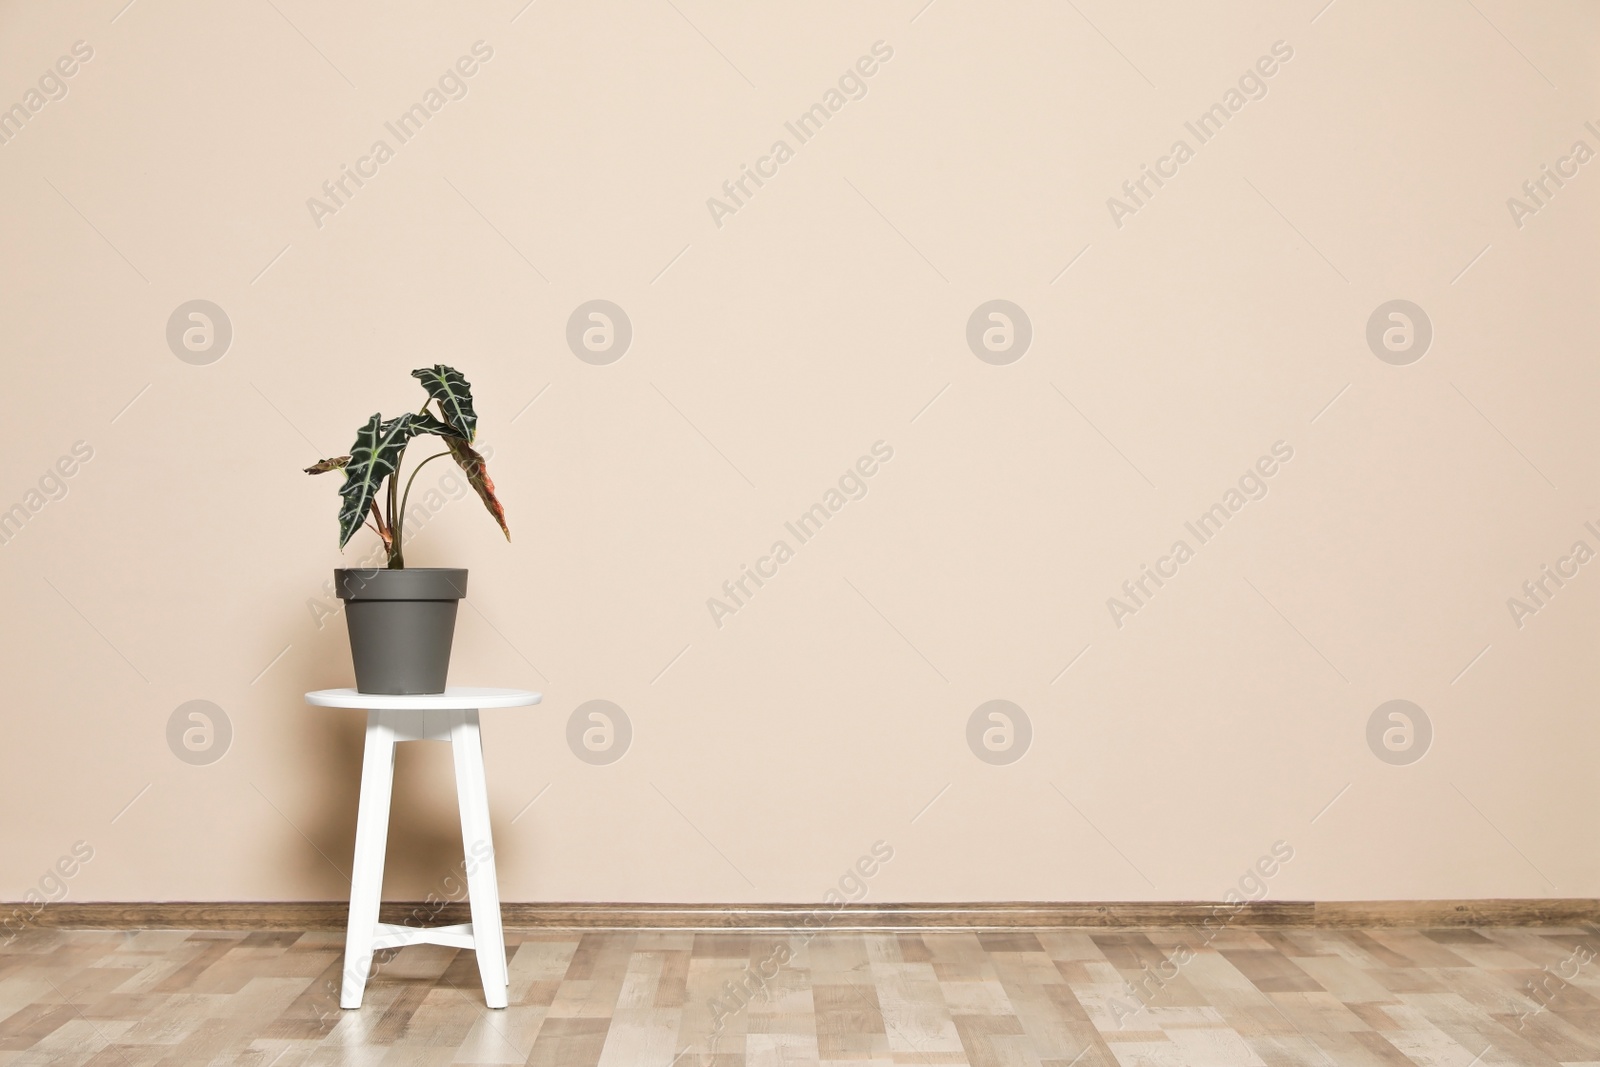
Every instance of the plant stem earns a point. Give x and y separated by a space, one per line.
405 498
397 560
397 504
378 526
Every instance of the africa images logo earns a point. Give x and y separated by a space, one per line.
451 85
852 85
852 485
1251 85
1252 486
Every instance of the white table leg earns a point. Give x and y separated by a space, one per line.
372 837
483 890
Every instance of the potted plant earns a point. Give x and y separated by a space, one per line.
401 619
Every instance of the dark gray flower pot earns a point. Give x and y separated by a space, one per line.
401 626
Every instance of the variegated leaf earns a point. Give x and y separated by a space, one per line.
454 395
323 466
374 457
477 472
426 423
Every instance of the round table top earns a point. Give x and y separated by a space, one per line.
455 697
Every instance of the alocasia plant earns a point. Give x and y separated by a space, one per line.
372 469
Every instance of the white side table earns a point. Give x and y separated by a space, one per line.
449 716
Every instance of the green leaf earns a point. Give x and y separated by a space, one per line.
477 472
467 458
426 423
447 386
374 457
323 466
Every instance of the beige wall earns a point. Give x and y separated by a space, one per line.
772 346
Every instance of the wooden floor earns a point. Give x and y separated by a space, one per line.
1450 997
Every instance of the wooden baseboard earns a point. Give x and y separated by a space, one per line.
330 915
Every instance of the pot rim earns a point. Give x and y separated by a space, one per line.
405 583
